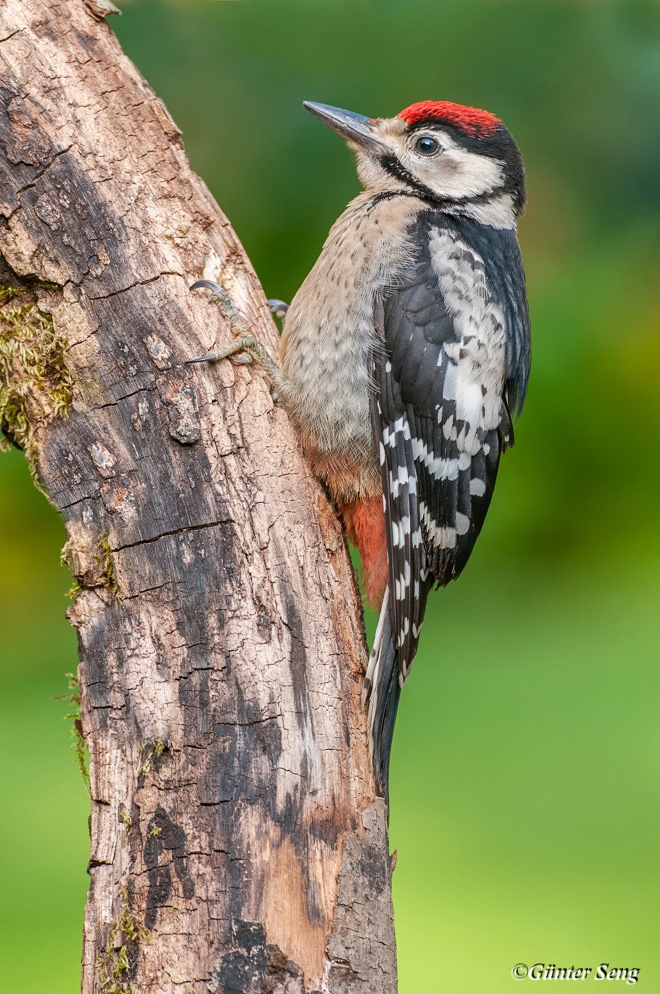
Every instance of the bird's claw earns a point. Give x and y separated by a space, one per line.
236 351
278 308
225 303
243 340
245 348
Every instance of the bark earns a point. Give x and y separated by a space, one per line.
236 841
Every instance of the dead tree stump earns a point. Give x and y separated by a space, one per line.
236 841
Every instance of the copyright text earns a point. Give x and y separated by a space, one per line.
549 971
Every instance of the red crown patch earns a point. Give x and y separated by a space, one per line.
476 123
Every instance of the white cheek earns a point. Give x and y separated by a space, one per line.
456 173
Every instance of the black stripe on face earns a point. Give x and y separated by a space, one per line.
398 171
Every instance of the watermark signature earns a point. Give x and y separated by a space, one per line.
549 971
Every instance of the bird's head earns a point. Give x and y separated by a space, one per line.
463 159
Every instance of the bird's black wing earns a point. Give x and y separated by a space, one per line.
440 414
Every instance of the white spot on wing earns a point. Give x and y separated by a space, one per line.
462 523
476 366
442 537
441 469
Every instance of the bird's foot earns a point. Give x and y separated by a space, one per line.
278 308
245 348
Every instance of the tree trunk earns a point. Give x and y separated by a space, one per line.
236 841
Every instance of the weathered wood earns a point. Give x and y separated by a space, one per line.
236 841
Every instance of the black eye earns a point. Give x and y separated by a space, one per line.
427 145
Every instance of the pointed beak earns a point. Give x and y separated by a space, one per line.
354 128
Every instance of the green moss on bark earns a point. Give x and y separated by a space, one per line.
114 965
35 384
107 563
79 745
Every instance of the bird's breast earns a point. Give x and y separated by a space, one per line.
329 336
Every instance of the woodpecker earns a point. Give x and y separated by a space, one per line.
404 357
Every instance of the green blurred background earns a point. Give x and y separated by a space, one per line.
525 804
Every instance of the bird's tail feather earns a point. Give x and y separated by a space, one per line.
381 695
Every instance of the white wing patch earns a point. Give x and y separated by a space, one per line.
475 373
452 447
